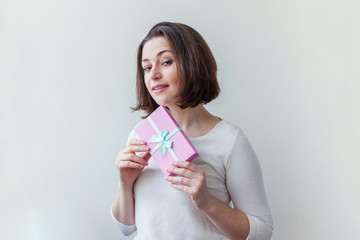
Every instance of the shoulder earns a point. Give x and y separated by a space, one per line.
227 136
230 131
239 139
234 140
133 133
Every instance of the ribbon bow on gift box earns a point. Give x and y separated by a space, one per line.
162 138
164 144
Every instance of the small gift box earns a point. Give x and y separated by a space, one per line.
166 140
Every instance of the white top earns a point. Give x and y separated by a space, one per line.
232 174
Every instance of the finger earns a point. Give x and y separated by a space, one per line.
180 180
183 188
128 164
134 141
187 165
132 157
181 171
136 148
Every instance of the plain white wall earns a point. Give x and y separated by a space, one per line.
289 72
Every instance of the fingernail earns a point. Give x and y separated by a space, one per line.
172 163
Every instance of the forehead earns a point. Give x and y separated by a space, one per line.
154 46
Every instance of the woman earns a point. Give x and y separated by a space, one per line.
220 194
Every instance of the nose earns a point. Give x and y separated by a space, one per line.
155 73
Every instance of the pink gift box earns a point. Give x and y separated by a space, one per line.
166 140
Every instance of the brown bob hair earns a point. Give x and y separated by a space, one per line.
196 67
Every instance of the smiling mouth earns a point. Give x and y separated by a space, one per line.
157 88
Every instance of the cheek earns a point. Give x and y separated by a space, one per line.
174 76
146 84
175 79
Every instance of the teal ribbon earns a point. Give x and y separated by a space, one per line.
164 144
162 138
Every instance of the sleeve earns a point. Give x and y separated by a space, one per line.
133 134
126 230
246 188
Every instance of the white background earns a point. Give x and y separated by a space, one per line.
289 72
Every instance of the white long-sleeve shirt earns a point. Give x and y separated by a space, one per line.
232 174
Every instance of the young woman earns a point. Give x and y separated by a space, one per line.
220 194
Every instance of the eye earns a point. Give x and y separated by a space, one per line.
146 69
167 62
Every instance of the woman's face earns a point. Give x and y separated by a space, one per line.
160 71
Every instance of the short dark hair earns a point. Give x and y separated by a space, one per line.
196 67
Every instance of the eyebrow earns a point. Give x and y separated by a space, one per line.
159 53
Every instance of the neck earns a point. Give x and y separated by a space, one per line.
194 121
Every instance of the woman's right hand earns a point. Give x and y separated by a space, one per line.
130 165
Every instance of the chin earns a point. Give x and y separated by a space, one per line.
161 101
164 101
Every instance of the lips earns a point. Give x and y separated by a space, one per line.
159 87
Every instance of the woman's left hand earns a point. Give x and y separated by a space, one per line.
190 180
